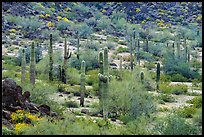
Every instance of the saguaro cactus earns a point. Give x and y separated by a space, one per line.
138 51
173 51
104 78
100 82
50 52
131 49
67 55
78 47
158 75
32 64
142 76
82 86
178 48
23 67
59 73
185 51
120 72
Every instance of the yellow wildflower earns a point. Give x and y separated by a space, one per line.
20 126
12 30
41 16
50 24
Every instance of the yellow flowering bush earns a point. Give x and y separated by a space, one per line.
41 16
13 30
65 19
52 9
20 126
59 18
50 24
47 15
18 116
103 10
137 10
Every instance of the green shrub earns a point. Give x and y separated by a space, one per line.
121 50
197 117
6 131
71 104
196 101
174 89
187 111
92 77
178 78
166 98
179 89
173 124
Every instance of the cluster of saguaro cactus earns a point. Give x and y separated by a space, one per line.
32 64
67 55
104 81
158 76
82 85
50 52
23 67
142 76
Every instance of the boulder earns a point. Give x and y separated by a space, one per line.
85 111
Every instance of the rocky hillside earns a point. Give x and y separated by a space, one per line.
149 14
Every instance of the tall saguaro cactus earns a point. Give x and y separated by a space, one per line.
120 73
131 49
178 48
142 76
138 51
185 51
100 84
82 86
32 64
67 55
104 78
50 52
23 67
158 75
77 46
173 51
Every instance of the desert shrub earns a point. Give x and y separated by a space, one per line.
166 98
71 104
6 131
129 98
93 77
63 25
72 125
89 56
197 117
179 89
39 94
178 78
138 126
149 65
173 124
121 50
187 111
55 34
196 101
174 89
73 76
